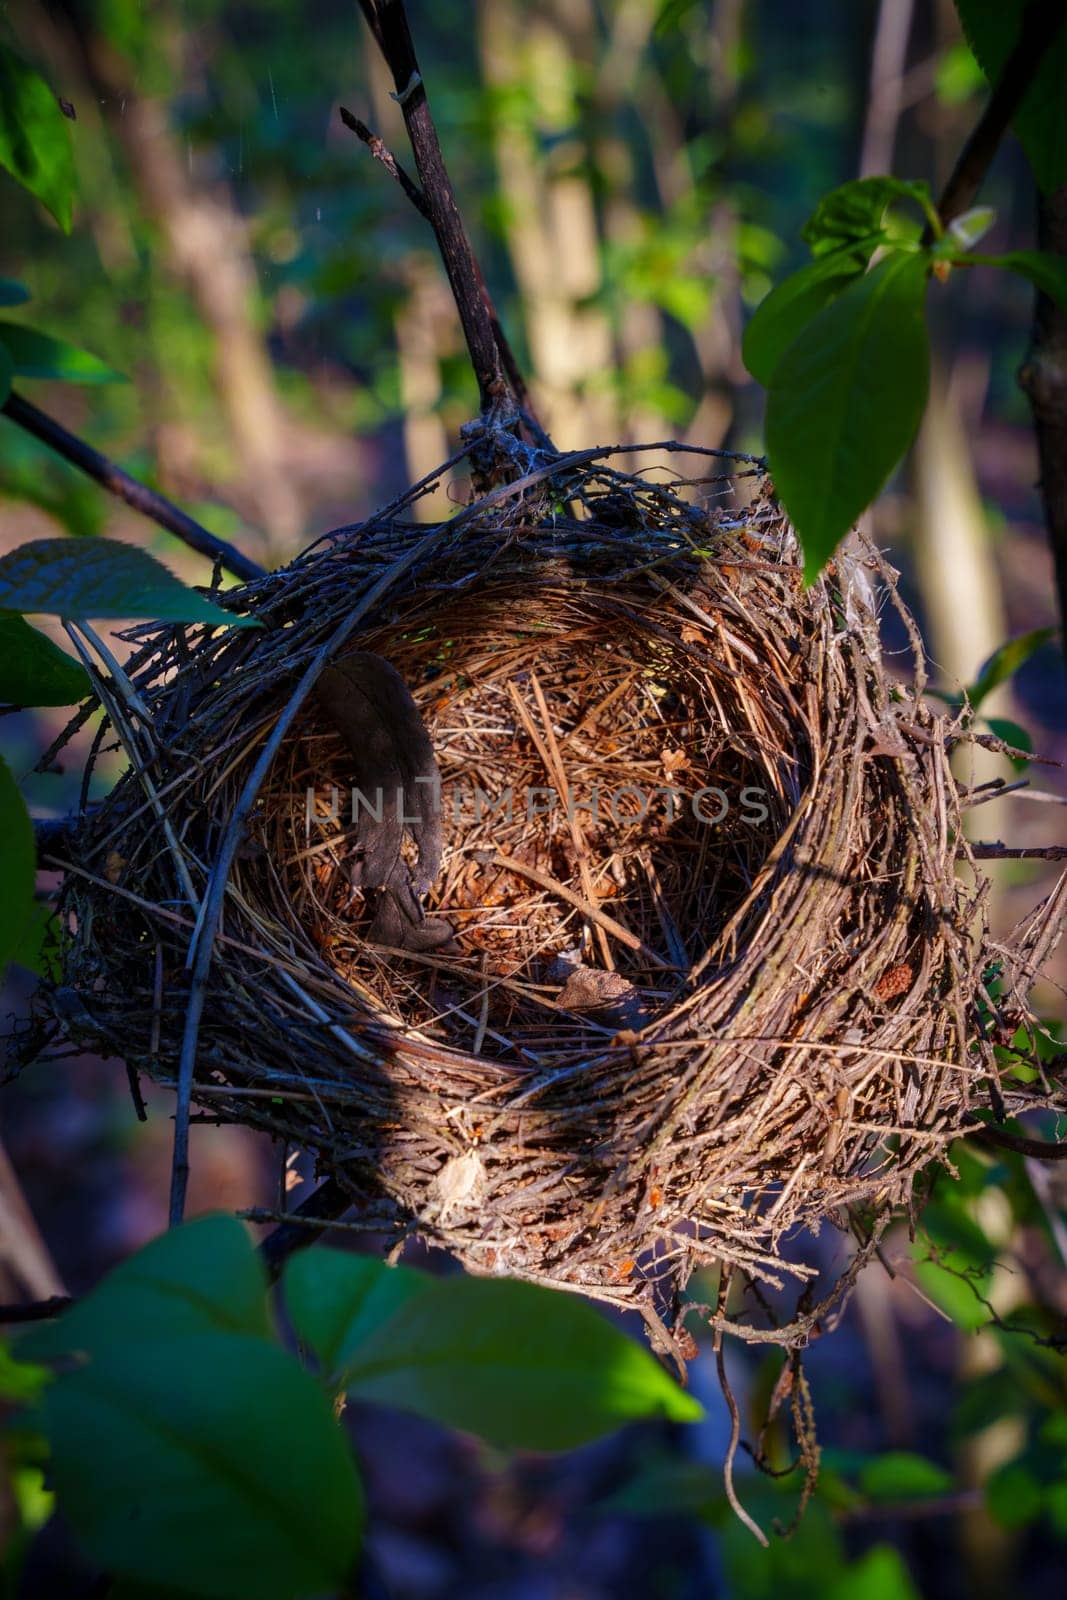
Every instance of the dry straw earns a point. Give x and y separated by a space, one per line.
668 1034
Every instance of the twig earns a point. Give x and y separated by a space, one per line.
500 384
1027 852
381 152
1041 22
36 1310
138 495
735 1424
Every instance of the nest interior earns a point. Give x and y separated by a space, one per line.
715 975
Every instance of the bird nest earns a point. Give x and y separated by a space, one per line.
708 974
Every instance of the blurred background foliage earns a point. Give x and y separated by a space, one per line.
635 174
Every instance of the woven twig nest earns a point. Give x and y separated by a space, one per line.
715 975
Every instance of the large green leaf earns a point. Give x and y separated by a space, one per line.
336 1300
789 307
35 137
12 293
202 1278
7 372
40 355
847 216
846 400
992 28
880 1574
204 1461
33 670
524 1367
17 867
101 578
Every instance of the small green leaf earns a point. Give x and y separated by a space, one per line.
1005 662
337 1300
40 355
17 866
1014 1495
846 400
20 1381
992 29
12 293
33 670
789 307
850 214
101 578
35 137
878 1575
966 229
899 1475
204 1277
524 1367
199 1460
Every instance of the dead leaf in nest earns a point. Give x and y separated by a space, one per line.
897 980
689 633
622 1271
590 988
459 1182
116 866
674 760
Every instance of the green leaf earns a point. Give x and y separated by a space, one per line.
38 948
524 1367
879 1575
7 372
965 230
17 866
789 307
846 400
101 578
849 215
992 28
1014 1495
35 137
204 1277
900 1475
1005 662
667 1487
1047 271
197 1460
20 1381
39 355
33 670
12 293
337 1300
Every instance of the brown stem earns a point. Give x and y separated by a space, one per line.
1043 378
138 495
1041 22
1030 852
500 384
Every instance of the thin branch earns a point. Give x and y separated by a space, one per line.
500 384
111 477
36 1310
1041 22
1031 852
381 152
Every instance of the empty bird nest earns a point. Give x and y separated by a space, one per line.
701 970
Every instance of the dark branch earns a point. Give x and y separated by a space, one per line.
36 1310
138 495
500 384
1041 22
1043 379
1030 852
